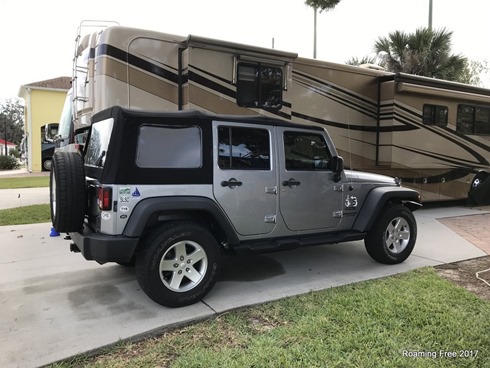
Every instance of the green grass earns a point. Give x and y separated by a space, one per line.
369 324
34 214
24 182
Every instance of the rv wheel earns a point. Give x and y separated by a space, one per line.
67 191
478 180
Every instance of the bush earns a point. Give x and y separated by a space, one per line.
8 163
14 152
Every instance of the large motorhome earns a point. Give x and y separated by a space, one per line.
433 134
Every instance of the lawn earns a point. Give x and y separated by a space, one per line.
34 214
417 319
24 182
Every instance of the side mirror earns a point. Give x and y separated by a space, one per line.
337 167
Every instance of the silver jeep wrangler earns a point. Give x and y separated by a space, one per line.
169 192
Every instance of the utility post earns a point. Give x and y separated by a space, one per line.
315 9
5 136
430 15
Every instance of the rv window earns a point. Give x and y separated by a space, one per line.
243 148
435 115
259 86
178 147
473 120
305 151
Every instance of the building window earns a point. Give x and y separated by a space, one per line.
259 86
435 115
473 120
243 148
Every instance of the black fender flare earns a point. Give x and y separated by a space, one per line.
377 199
175 208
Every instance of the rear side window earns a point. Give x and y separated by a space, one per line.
169 147
98 143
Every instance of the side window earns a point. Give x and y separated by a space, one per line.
305 151
473 120
259 86
482 120
435 115
465 119
169 147
243 148
98 144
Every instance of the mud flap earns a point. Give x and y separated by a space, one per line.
480 196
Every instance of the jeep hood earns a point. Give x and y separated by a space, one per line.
364 177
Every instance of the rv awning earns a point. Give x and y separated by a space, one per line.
239 49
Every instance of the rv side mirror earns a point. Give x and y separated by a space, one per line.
337 167
50 131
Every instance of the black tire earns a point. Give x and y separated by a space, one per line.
478 180
47 164
169 256
67 191
392 238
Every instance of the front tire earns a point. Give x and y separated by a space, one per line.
392 238
478 180
178 265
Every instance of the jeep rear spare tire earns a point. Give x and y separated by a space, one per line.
179 264
67 190
392 237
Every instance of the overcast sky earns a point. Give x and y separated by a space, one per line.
37 36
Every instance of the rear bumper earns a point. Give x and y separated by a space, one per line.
104 248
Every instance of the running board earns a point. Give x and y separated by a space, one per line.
289 243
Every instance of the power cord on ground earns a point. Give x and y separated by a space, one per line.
479 278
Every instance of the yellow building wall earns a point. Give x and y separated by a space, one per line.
45 107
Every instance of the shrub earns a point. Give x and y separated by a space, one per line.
14 152
8 163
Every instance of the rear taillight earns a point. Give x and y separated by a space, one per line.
104 198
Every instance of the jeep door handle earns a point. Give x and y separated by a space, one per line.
231 183
291 183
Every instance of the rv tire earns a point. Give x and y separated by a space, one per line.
478 180
67 191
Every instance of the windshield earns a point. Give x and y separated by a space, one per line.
98 143
65 119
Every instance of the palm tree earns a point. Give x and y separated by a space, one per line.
425 52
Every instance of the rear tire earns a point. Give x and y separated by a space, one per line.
178 265
392 238
67 190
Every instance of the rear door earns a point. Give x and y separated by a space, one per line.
245 183
310 199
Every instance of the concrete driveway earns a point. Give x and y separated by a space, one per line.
54 304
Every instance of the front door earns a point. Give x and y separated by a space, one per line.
245 184
310 199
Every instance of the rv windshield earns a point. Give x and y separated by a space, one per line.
66 118
98 143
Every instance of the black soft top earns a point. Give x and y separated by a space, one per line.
120 164
119 113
